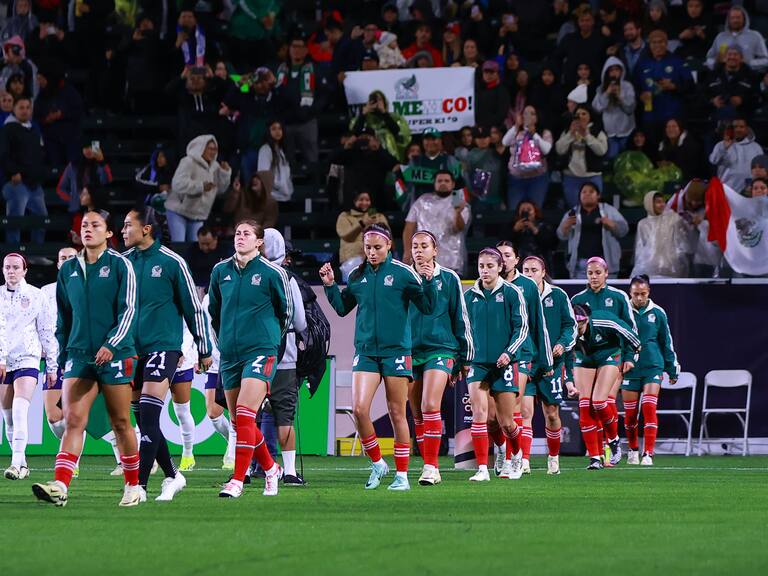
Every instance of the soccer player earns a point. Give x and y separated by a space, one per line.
656 357
29 329
498 316
600 349
599 296
96 303
536 355
382 289
181 393
250 310
442 346
166 298
561 327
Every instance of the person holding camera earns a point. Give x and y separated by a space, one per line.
532 235
390 128
732 156
733 89
350 225
615 100
528 148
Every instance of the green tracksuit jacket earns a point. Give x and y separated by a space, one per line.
382 297
167 297
658 353
498 319
250 308
558 314
606 332
610 299
96 306
537 346
447 329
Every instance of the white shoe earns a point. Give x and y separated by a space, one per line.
228 463
17 472
481 476
118 471
142 495
232 489
501 452
553 465
647 460
171 487
438 478
131 496
429 476
54 492
633 457
517 467
154 468
272 482
525 466
506 470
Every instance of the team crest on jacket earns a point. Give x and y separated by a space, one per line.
24 302
104 272
609 302
157 271
389 280
598 338
548 302
499 297
256 280
439 284
651 317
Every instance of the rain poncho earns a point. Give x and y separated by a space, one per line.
661 243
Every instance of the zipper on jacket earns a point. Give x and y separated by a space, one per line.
375 310
237 308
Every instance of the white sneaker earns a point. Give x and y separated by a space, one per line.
438 478
506 469
633 457
154 468
647 460
171 487
517 467
553 465
17 472
501 452
428 476
131 496
481 476
142 495
54 492
232 489
118 471
272 481
525 466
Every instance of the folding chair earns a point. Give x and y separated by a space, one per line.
727 379
686 381
348 411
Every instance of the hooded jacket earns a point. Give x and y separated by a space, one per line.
750 41
26 68
388 57
661 246
734 164
618 115
18 25
611 246
187 196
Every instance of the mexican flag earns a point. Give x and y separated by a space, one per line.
740 226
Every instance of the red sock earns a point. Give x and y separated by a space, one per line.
518 418
371 447
526 439
496 434
418 424
588 428
66 462
615 411
605 415
553 441
130 466
263 457
402 453
630 423
480 442
648 405
433 433
513 442
246 441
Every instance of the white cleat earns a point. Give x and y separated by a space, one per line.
154 468
272 481
118 471
525 466
228 463
501 452
17 472
633 457
232 489
517 467
53 492
553 465
481 476
171 487
429 476
132 496
647 460
142 495
506 470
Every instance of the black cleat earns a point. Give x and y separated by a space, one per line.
291 480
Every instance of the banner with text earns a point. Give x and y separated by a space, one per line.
441 98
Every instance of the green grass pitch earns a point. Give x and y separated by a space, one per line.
685 516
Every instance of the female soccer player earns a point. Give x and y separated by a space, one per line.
442 345
499 326
250 311
657 356
536 355
599 296
601 347
181 393
29 336
96 300
382 288
561 327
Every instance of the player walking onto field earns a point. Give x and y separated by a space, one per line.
499 321
250 311
442 345
561 328
29 329
181 394
656 357
96 300
166 298
382 289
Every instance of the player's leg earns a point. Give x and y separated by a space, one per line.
415 390
23 388
604 383
220 422
117 398
479 399
631 416
496 435
53 412
284 395
584 379
526 434
434 384
553 428
650 420
364 386
6 405
181 393
507 405
396 388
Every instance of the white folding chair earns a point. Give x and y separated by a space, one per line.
686 381
348 411
727 379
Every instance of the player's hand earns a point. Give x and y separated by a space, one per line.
672 381
558 350
204 364
503 360
2 373
425 269
103 356
627 366
572 390
326 274
549 373
50 378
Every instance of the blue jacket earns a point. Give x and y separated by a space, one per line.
665 105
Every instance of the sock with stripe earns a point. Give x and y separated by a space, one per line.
514 445
433 434
371 446
153 445
496 434
605 415
418 426
589 428
518 416
245 424
66 462
130 465
614 411
186 426
553 441
526 439
402 455
651 427
20 409
479 432
630 423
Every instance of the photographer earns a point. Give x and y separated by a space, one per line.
390 128
350 225
615 100
532 235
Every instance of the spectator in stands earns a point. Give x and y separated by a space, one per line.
470 54
413 150
615 100
321 46
483 160
759 188
16 62
682 149
492 97
466 141
390 127
592 228
15 86
203 255
452 45
704 256
59 110
143 68
732 156
89 198
21 23
660 241
759 169
532 235
254 201
639 142
6 105
198 180
663 79
190 42
519 92
253 25
526 25
610 27
272 159
586 46
732 88
47 41
549 97
21 151
389 52
350 225
634 46
584 145
656 17
584 77
352 48
528 149
434 159
448 221
737 32
155 179
299 101
423 43
696 31
89 170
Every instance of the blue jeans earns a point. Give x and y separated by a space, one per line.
20 200
572 186
181 228
616 145
249 163
532 189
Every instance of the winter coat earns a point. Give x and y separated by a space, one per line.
21 151
30 326
611 246
388 57
751 42
350 232
618 115
664 105
583 155
391 128
734 163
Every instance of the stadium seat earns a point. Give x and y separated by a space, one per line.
726 379
347 410
686 381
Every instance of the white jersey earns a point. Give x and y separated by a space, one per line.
29 328
214 369
188 349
